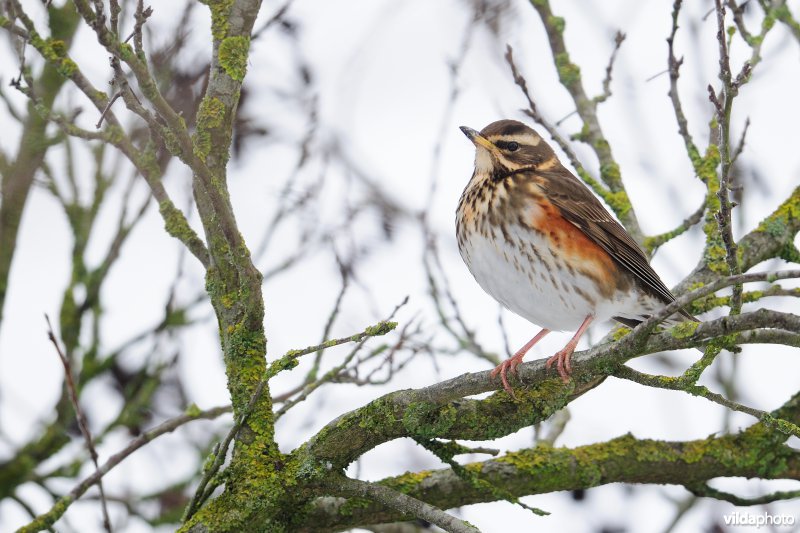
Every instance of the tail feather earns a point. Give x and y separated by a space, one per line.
672 320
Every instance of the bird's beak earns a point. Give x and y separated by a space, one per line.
478 139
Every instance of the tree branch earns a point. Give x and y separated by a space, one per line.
544 469
408 506
49 518
83 424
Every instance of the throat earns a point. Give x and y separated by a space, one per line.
484 164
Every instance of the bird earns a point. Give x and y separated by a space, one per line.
538 241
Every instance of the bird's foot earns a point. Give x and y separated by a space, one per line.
509 364
562 359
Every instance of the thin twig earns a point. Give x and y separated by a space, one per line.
466 338
705 490
729 91
82 422
612 196
111 101
674 65
618 40
736 11
711 302
666 382
330 375
454 69
652 244
280 13
47 519
115 9
317 383
740 147
403 503
682 301
205 488
141 17
345 271
533 112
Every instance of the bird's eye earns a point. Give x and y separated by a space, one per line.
512 146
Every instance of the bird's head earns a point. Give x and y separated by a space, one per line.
508 146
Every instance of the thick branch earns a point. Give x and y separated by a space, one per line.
545 469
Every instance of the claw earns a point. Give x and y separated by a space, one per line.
503 368
562 360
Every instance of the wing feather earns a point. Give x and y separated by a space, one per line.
579 206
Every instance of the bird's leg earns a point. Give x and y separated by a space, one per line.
563 356
513 362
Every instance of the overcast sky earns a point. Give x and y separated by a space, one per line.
381 77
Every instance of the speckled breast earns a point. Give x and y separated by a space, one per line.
535 263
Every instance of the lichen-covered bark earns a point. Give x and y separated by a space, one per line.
544 469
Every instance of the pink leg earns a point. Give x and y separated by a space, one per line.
562 357
513 362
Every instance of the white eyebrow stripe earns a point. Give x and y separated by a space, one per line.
530 139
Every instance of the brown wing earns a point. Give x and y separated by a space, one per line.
579 206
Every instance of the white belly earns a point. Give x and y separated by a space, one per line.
527 279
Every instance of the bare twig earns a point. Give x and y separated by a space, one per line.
737 10
465 338
652 244
740 147
327 377
619 37
729 91
141 17
278 16
534 113
345 271
111 101
337 370
82 423
454 68
650 324
674 65
57 511
665 382
205 488
707 491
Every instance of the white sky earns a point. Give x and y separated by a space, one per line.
383 87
